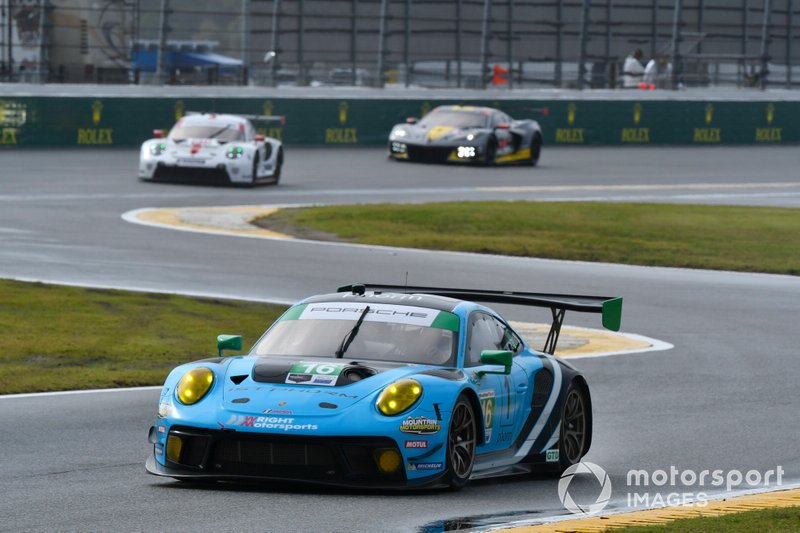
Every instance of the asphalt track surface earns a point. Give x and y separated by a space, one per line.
725 397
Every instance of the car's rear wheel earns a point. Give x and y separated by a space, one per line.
461 441
574 428
536 149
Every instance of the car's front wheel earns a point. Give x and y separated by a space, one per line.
536 149
256 162
574 428
278 166
490 154
461 441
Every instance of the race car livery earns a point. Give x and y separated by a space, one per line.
381 386
215 148
467 134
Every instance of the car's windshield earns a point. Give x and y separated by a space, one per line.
455 119
389 332
221 132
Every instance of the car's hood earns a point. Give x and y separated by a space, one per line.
310 386
435 134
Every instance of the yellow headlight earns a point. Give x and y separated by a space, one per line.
194 385
399 396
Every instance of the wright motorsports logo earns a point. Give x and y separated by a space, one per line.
584 507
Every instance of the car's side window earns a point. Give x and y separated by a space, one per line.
485 333
511 340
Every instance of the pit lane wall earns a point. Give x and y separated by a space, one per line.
58 121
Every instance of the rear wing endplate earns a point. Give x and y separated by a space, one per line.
609 307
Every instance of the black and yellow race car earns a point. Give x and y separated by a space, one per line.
467 134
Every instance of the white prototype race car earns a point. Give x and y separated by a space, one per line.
213 148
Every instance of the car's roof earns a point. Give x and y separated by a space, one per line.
440 303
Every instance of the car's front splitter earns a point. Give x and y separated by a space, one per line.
157 469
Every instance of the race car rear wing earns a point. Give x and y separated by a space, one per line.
608 306
254 118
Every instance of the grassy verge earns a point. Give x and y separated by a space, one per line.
780 520
58 338
753 239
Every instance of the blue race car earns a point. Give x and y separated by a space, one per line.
381 386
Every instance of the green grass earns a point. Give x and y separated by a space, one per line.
779 520
58 338
751 239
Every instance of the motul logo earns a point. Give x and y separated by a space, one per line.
416 444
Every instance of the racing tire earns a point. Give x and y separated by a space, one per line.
256 161
536 149
575 428
278 167
491 153
461 442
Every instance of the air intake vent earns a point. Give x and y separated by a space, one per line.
238 379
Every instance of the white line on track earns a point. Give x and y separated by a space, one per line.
435 190
72 392
139 288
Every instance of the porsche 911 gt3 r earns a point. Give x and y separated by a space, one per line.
467 134
209 147
381 386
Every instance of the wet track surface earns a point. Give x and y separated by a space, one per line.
724 397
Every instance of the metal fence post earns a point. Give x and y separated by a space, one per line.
584 37
245 41
510 47
163 29
301 68
406 59
458 43
353 39
559 43
789 8
382 41
487 9
765 28
273 66
745 25
654 29
676 42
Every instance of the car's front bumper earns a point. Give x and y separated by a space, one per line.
436 153
235 171
207 454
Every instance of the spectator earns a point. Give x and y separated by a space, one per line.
633 70
658 73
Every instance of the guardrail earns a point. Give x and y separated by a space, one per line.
77 121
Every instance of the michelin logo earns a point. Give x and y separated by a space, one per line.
269 422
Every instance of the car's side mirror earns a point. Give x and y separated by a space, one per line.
260 137
503 126
411 120
497 357
229 342
158 134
